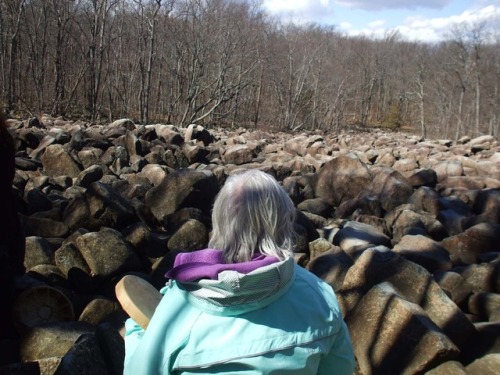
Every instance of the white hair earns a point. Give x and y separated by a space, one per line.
252 213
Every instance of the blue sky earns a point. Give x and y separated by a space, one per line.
423 20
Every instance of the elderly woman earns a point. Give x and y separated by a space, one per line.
243 306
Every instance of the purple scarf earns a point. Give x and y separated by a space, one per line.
207 264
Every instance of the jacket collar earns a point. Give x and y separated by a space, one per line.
234 293
208 263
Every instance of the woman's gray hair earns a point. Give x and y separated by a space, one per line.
252 213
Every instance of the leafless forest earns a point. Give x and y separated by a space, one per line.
228 63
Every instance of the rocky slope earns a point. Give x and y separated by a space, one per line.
406 230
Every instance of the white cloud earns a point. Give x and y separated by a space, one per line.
377 24
346 26
416 27
311 10
392 4
434 29
430 29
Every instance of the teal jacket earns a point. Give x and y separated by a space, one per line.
279 319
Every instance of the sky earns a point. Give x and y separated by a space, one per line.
415 20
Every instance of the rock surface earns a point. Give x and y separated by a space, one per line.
406 231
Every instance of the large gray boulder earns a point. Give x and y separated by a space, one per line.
183 188
70 348
341 179
487 365
107 253
108 207
191 235
467 246
413 283
383 320
37 251
455 286
390 187
355 237
424 251
56 161
238 154
448 368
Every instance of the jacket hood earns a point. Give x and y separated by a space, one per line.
208 263
235 293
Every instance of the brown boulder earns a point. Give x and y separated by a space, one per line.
413 283
123 123
483 277
146 242
448 368
183 188
354 237
89 175
424 251
57 162
106 252
316 206
488 203
238 154
97 310
44 227
38 251
155 173
424 177
319 247
169 134
486 340
467 246
391 335
330 266
486 306
425 199
391 188
448 168
364 204
487 365
108 207
455 286
406 220
192 235
341 179
90 156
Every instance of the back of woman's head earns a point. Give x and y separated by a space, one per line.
252 213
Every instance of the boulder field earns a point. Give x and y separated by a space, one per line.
406 230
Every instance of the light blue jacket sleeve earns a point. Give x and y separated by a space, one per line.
340 360
133 336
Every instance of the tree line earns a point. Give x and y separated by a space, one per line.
228 63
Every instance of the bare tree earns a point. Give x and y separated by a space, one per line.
467 40
148 20
419 86
227 62
14 11
36 25
62 13
477 37
93 27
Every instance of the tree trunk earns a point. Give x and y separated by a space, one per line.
11 88
459 115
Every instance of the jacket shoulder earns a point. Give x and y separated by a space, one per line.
309 285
